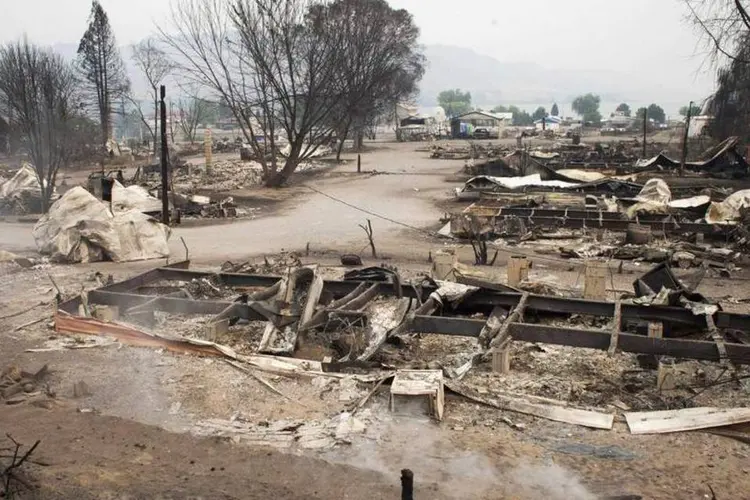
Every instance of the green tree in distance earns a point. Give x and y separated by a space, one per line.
539 113
588 107
555 110
624 109
520 117
694 110
454 102
656 113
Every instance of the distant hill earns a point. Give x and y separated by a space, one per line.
494 82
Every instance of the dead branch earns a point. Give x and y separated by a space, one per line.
10 475
368 231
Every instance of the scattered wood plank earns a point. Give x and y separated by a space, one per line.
263 381
586 418
313 297
515 316
369 394
688 419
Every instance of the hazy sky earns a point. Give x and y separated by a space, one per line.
647 40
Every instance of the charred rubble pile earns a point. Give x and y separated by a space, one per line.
455 330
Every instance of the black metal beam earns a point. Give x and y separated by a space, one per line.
144 279
482 299
622 225
490 298
171 305
573 213
592 339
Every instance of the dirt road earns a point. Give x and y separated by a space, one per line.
403 190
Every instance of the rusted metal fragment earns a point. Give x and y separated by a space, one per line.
126 334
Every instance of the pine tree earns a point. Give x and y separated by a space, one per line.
101 68
555 110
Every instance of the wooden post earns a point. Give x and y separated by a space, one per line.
656 330
407 484
665 377
207 150
685 140
645 129
164 159
518 269
359 164
501 359
595 285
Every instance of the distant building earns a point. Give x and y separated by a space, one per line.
548 123
618 123
464 125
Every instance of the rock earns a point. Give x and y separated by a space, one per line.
81 390
351 260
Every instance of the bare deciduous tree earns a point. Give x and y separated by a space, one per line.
281 67
382 63
40 89
725 25
101 67
193 111
153 62
293 55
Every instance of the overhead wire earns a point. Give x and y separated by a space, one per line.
580 265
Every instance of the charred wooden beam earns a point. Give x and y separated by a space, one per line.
482 300
591 339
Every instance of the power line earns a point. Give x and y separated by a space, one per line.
364 210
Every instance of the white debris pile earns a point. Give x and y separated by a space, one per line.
729 209
317 153
23 192
133 198
221 176
80 228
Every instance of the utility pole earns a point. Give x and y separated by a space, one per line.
645 127
685 140
164 159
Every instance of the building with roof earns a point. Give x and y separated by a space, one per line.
548 123
464 125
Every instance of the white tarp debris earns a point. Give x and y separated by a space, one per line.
656 197
80 228
655 191
133 198
113 149
695 201
24 181
319 151
544 156
729 209
477 183
581 175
